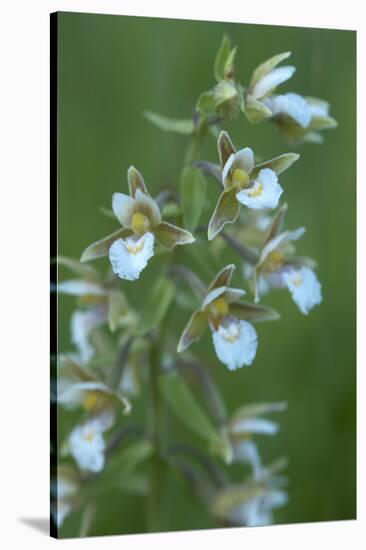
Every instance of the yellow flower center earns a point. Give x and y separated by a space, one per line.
231 335
139 223
88 436
297 281
135 248
240 178
273 261
219 307
91 400
256 191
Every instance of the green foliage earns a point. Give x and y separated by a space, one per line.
185 127
193 196
181 400
157 303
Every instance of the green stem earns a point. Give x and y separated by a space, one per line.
154 509
196 143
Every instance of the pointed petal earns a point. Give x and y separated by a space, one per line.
80 287
267 66
225 147
82 270
227 211
170 235
255 110
101 248
275 226
193 330
253 312
271 80
123 207
277 164
146 205
223 278
135 181
212 295
244 159
233 295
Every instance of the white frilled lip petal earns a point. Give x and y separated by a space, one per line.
271 80
235 343
292 105
123 207
256 426
264 193
78 287
148 206
227 167
212 295
304 287
244 159
126 264
87 447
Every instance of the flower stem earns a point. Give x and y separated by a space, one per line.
154 509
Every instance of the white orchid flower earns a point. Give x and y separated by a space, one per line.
264 81
257 511
234 337
300 118
64 491
87 445
245 183
130 248
279 267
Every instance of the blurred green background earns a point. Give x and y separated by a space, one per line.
111 68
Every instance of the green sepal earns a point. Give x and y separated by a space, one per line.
179 126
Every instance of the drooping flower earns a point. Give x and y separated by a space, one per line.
264 81
234 338
280 267
252 503
246 422
258 510
244 182
64 489
300 119
86 442
83 322
101 301
130 248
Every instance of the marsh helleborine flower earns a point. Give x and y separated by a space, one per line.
86 442
300 118
265 79
234 338
245 183
246 422
279 267
131 247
